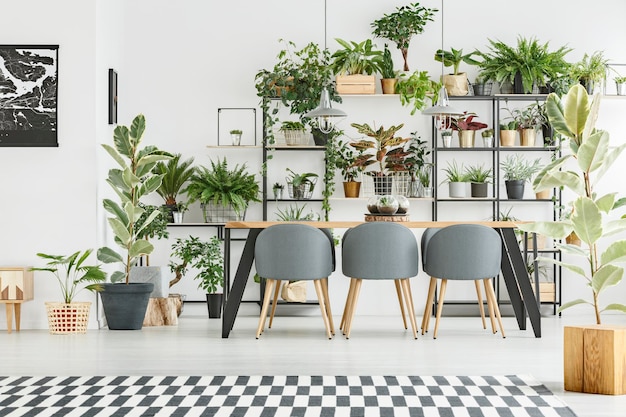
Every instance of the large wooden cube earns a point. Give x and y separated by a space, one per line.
594 359
16 283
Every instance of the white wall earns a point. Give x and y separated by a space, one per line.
178 62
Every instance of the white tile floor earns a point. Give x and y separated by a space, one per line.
298 346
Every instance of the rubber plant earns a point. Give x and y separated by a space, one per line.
135 178
591 155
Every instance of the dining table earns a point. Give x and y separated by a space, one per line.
513 267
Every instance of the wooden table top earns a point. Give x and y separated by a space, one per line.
349 224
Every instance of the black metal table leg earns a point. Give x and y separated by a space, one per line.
239 283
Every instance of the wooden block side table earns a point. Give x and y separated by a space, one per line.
16 286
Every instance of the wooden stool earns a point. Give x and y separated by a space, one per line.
16 286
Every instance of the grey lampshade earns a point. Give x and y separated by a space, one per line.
325 108
443 105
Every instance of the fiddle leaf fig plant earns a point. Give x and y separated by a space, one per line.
574 116
135 178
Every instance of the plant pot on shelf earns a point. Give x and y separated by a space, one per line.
125 305
388 85
515 189
302 191
457 189
528 137
479 189
466 138
507 137
319 138
351 189
236 138
620 89
482 89
488 141
68 318
544 195
214 305
446 140
383 184
178 216
456 85
218 213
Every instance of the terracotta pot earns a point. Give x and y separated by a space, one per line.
351 189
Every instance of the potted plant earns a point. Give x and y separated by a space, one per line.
73 275
446 138
294 132
456 177
401 25
487 135
223 193
278 189
455 83
517 171
347 162
235 136
529 120
413 162
208 260
620 85
508 132
179 212
354 64
466 127
424 175
305 73
482 86
590 70
388 74
301 186
174 175
384 144
296 213
479 177
125 305
527 65
414 88
574 116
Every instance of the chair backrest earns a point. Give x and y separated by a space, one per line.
428 233
463 252
294 252
379 250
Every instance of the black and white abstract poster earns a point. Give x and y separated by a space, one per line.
28 95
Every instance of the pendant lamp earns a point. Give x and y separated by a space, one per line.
324 114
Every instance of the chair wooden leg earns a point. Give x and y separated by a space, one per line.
320 298
269 285
480 303
487 284
327 301
406 286
274 303
429 303
442 293
399 293
492 294
355 297
347 305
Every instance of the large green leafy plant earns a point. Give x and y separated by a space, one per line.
574 116
175 173
401 25
133 180
206 257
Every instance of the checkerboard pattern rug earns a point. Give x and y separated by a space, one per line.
266 396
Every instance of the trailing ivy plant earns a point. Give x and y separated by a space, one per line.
591 155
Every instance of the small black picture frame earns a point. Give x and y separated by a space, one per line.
112 96
29 80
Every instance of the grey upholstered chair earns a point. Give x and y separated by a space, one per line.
293 251
377 251
461 252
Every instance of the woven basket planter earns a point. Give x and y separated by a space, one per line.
68 318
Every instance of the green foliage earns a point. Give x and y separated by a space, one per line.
236 132
574 117
72 273
346 160
414 88
401 25
455 172
158 226
298 180
454 57
591 67
478 173
416 154
383 144
174 174
529 117
133 180
204 256
510 125
386 65
356 58
424 174
294 213
517 167
291 125
534 61
487 133
220 185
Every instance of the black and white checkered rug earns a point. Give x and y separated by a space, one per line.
266 396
